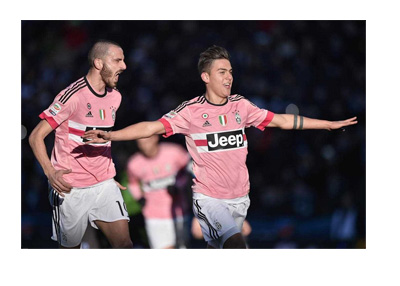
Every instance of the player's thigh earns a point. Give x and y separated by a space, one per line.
116 232
69 217
109 205
239 212
216 220
235 241
110 215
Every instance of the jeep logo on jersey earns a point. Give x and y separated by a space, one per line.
225 140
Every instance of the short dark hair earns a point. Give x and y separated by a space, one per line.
208 56
99 50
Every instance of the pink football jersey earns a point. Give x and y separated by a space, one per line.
150 177
216 140
77 109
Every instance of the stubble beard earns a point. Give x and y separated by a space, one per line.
106 74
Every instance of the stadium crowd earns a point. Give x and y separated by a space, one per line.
307 190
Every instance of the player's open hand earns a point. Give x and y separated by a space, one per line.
96 136
342 123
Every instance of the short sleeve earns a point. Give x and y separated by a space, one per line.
176 122
58 112
257 117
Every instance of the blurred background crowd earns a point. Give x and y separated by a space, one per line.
307 187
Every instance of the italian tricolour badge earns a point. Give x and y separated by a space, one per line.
102 114
223 119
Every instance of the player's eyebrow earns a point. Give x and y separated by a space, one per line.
118 59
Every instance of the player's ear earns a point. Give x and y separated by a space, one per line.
98 64
205 77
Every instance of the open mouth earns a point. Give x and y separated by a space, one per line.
117 74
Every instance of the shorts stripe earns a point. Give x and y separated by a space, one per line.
56 213
212 231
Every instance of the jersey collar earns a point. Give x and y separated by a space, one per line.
92 90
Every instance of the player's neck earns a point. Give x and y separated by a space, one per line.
151 153
96 82
215 99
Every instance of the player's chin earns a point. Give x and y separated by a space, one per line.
226 92
112 84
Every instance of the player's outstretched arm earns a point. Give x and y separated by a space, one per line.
290 121
132 132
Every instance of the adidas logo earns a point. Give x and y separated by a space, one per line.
206 124
89 114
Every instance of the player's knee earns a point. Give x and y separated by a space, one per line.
235 241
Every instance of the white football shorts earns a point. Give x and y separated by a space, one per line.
72 213
162 233
220 218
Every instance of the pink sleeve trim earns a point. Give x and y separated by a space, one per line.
267 120
49 119
167 126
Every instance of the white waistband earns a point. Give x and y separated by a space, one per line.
95 185
199 196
